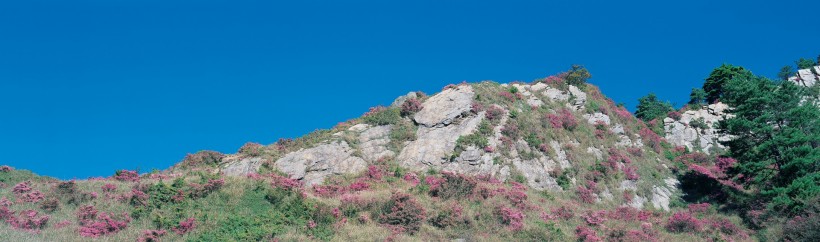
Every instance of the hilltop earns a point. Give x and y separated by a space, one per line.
549 160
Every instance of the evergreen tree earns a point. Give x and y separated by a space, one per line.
805 63
649 108
697 97
776 130
578 75
719 76
785 72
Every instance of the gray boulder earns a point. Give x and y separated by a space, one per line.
443 108
313 165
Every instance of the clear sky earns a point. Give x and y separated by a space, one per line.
87 87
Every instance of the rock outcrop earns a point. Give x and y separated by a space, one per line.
444 108
696 128
313 165
236 165
807 77
373 143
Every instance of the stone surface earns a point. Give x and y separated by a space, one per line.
682 133
443 108
595 117
579 98
434 145
555 94
661 194
400 100
235 165
313 165
373 143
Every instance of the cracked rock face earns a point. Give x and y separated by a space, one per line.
433 146
373 143
313 165
443 108
240 166
683 133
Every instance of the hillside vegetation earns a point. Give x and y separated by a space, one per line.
550 160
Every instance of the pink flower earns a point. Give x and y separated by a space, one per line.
513 218
185 226
108 187
412 178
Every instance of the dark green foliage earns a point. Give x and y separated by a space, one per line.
160 194
719 76
699 123
577 75
383 117
805 63
806 225
649 108
403 131
404 212
697 97
777 144
785 73
454 187
270 212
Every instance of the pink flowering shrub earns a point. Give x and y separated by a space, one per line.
185 226
205 157
586 234
476 107
251 149
651 139
681 222
359 186
109 188
33 197
724 163
511 217
28 220
22 188
494 113
202 190
451 216
489 149
62 224
585 194
6 168
700 208
635 151
403 212
555 79
563 212
624 213
595 218
517 198
453 186
725 226
631 173
412 178
373 172
328 190
623 113
674 115
103 225
284 182
126 176
510 96
151 235
410 106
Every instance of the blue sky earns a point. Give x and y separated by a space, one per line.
88 87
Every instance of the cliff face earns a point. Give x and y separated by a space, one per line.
549 136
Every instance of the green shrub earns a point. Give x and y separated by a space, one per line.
383 117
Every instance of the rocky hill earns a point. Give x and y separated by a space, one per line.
550 160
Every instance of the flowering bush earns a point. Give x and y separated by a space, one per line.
724 163
126 176
251 149
373 172
699 208
725 226
410 106
412 178
511 217
586 234
451 216
328 190
404 212
151 235
109 188
563 119
454 186
623 113
28 220
585 194
555 79
624 213
284 182
205 157
494 113
638 152
517 198
563 212
674 115
22 188
33 197
359 186
510 96
476 107
202 190
185 226
103 225
631 173
6 168
681 222
595 218
50 205
86 214
651 138
66 188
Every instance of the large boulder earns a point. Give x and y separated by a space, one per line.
313 165
682 132
443 108
373 143
236 165
434 145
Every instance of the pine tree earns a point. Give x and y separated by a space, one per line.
649 108
719 76
776 130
